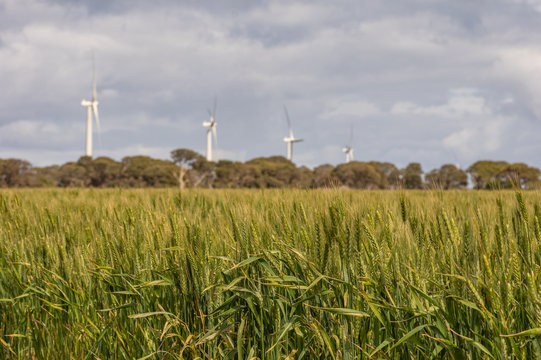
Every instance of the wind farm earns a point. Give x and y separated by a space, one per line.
210 126
348 173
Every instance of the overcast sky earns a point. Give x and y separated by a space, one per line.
420 80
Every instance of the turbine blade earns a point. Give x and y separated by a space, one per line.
351 136
288 122
94 92
96 116
214 108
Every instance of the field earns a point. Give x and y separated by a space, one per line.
285 274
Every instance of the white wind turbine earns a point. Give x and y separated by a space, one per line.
91 108
289 140
348 150
211 131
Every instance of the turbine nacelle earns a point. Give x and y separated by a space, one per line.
292 140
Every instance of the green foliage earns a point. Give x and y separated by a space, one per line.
502 175
188 169
15 173
412 176
359 175
447 177
484 172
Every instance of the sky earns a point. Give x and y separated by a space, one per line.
424 81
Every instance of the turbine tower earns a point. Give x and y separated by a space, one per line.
91 109
289 140
211 131
348 149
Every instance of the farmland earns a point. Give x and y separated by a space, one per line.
269 274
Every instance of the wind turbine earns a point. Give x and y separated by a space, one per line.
91 108
211 131
349 148
289 140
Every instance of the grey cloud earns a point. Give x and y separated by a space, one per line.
160 64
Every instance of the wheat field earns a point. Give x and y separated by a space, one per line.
269 274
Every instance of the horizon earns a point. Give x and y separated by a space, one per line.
424 170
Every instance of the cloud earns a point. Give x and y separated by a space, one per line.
478 140
292 14
36 134
138 149
535 4
462 102
231 155
519 66
108 94
357 108
475 129
417 79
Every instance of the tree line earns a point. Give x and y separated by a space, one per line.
189 169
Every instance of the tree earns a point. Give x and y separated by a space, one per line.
447 177
14 172
358 175
412 176
390 173
161 173
132 170
250 176
191 169
323 176
484 172
273 172
228 174
193 164
517 174
103 171
45 176
302 178
72 174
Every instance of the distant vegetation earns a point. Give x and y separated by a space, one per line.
273 274
188 169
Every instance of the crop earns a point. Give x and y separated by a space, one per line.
270 274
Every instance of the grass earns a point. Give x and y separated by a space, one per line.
281 274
